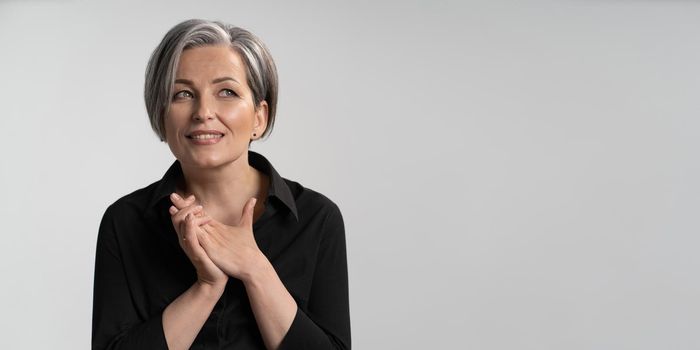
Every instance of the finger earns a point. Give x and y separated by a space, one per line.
183 203
178 222
190 241
180 202
200 213
173 210
247 217
181 230
204 239
191 229
180 215
176 200
189 200
212 233
202 220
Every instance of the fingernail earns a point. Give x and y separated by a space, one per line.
198 207
172 210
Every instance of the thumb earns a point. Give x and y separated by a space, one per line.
247 217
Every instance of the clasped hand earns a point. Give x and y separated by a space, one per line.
216 250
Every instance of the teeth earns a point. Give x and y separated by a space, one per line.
205 136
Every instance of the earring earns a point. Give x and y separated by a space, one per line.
254 134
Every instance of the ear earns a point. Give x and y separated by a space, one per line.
260 122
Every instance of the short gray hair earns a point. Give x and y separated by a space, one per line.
261 72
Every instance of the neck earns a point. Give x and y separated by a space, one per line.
225 187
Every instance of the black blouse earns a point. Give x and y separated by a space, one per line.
140 269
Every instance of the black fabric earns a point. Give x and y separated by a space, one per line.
140 269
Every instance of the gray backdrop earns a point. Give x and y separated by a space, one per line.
513 174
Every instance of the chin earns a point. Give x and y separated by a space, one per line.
209 161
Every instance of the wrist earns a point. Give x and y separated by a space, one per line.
210 290
258 268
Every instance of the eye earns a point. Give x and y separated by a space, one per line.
227 93
181 95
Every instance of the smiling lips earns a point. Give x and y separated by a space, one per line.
205 137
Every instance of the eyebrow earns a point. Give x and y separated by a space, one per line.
215 81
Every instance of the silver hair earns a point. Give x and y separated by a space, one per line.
261 72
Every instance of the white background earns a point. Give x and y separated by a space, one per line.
513 174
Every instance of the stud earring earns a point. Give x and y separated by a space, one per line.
254 134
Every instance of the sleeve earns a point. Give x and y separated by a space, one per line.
325 324
115 322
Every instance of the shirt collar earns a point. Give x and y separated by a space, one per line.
278 187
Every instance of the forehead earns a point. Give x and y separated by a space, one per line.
210 62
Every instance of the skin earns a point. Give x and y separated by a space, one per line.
214 219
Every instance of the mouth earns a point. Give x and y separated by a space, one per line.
205 137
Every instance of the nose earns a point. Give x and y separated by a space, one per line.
204 110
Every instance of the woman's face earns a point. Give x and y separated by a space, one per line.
212 114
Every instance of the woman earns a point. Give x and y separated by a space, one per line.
222 252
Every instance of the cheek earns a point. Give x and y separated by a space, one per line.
175 120
237 117
169 127
232 110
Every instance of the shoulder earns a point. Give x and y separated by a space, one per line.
133 204
311 203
